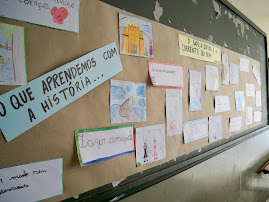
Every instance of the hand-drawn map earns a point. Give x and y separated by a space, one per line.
127 102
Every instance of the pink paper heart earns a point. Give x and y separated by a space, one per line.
59 14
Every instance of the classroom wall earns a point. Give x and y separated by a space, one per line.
229 176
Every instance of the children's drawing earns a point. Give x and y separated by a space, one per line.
59 14
136 36
195 90
225 69
215 128
127 102
212 78
150 144
12 55
239 100
174 115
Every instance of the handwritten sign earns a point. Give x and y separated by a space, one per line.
100 144
198 50
26 106
62 15
32 182
166 75
195 130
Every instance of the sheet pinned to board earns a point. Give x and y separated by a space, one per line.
51 92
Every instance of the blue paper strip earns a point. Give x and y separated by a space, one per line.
26 106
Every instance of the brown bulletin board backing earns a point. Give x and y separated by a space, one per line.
47 49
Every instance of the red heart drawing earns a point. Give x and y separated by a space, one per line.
59 14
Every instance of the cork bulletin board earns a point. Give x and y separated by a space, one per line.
47 49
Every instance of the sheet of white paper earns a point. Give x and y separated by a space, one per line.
222 103
244 65
127 102
32 182
194 130
215 128
258 99
174 112
235 124
239 100
150 144
234 74
195 90
257 116
257 74
212 78
250 89
95 145
62 15
248 116
166 75
225 69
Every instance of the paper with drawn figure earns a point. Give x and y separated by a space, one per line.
235 124
136 37
194 130
166 75
215 128
12 55
257 74
174 112
234 74
248 117
239 100
127 102
250 89
95 145
27 106
150 144
258 99
225 69
62 15
257 116
195 90
212 78
244 65
32 182
222 103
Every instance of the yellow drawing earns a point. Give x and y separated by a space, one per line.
132 41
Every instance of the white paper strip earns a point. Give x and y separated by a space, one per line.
248 117
166 75
258 99
32 182
257 74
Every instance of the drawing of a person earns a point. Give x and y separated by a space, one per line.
155 150
145 152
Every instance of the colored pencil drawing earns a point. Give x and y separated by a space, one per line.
195 90
59 14
136 36
127 102
150 144
12 55
215 128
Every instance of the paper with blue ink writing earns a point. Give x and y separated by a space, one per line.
127 102
95 145
32 182
62 15
24 107
195 90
